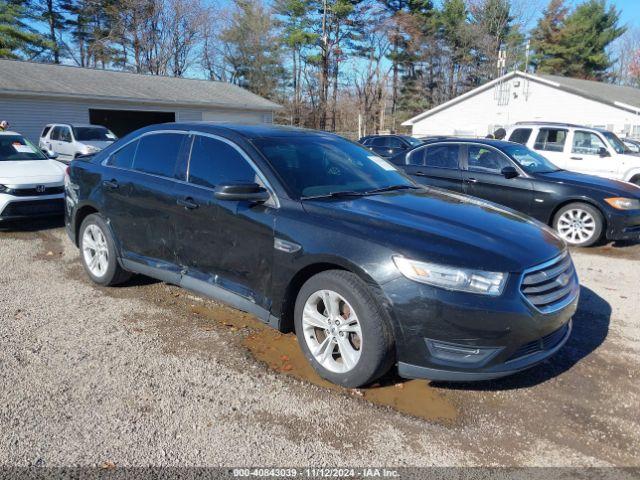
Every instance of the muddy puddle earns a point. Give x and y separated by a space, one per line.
281 353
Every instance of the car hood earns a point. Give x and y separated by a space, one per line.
101 144
444 227
31 171
604 185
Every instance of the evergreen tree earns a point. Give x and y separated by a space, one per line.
545 38
17 38
576 45
253 48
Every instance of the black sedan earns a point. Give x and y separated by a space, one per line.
389 145
581 208
313 233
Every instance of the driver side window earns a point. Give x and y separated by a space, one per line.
586 143
65 134
485 160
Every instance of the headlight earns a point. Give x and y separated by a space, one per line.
452 278
622 203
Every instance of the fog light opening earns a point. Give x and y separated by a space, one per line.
460 354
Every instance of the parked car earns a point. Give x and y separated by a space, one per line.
581 208
632 145
68 141
30 183
389 145
593 151
311 232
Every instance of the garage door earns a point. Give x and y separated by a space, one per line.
122 122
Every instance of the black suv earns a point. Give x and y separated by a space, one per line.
313 233
582 208
389 145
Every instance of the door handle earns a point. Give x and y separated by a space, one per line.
472 180
576 158
187 203
420 174
111 184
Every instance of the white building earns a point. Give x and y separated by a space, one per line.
35 94
518 97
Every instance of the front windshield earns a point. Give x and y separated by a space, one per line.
413 141
16 147
315 165
84 134
530 161
616 143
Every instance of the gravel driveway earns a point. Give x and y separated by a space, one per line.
149 374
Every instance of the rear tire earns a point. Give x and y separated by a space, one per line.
579 224
98 252
354 329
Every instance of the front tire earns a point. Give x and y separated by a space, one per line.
579 224
98 252
342 329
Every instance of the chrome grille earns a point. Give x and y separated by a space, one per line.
552 285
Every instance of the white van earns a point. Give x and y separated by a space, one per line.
69 141
581 149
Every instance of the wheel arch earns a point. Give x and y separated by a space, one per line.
82 212
589 202
307 271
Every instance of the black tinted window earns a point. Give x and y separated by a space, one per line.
55 133
45 131
379 142
520 135
393 142
551 139
123 158
65 134
486 160
442 156
214 162
158 153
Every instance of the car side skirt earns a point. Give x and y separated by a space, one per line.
203 288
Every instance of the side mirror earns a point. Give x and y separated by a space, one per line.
603 152
509 172
248 192
49 153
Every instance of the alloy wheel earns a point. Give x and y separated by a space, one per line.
332 331
95 250
576 226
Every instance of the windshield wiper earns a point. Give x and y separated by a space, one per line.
346 193
393 188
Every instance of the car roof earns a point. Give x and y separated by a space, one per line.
248 131
558 124
485 141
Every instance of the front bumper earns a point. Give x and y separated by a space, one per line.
20 207
506 333
623 225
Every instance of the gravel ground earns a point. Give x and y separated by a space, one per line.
148 374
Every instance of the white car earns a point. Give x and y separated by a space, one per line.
580 149
69 141
31 184
632 144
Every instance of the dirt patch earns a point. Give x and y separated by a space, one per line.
281 353
622 250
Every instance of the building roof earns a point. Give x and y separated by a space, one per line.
626 98
48 80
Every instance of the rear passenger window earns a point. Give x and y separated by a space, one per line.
158 153
520 135
551 140
123 158
442 156
214 162
45 131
